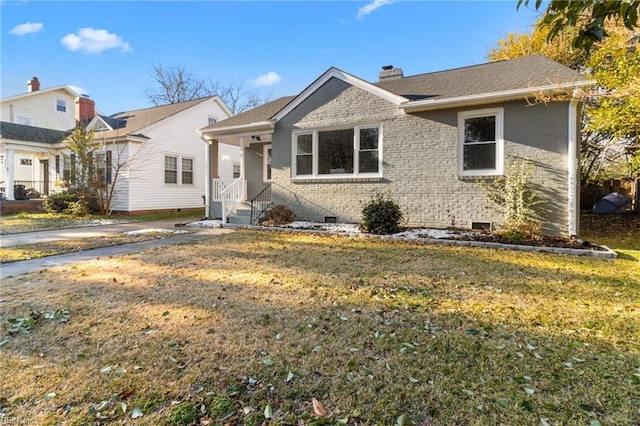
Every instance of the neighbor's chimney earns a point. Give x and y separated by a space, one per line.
390 73
85 109
33 85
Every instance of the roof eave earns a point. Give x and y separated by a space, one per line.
508 95
250 129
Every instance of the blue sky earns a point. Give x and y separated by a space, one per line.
279 47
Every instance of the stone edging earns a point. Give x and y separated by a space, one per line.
604 253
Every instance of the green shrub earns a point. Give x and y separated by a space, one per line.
77 209
59 202
513 195
280 215
381 216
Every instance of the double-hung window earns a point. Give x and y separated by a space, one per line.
61 105
170 169
481 144
335 153
103 167
187 171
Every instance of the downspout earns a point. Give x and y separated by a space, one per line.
572 165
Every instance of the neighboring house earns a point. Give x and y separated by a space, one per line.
154 155
427 141
27 134
158 155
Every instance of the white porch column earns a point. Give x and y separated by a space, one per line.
242 169
9 168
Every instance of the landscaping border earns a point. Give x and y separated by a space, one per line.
604 252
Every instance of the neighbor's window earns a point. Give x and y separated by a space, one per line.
187 171
103 167
61 105
236 170
212 120
170 169
266 166
481 143
355 151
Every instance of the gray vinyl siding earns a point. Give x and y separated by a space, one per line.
420 152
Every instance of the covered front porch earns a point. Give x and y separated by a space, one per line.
250 188
27 173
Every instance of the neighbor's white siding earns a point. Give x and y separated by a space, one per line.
176 136
41 108
228 154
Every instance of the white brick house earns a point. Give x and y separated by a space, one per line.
425 140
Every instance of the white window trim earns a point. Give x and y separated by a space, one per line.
193 170
265 162
211 120
179 159
66 105
164 169
499 114
356 153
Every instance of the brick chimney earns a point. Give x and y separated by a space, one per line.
85 109
33 85
390 73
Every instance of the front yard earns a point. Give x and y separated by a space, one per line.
251 327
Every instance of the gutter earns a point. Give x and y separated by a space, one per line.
431 104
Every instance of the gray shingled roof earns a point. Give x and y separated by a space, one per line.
130 122
255 115
521 73
492 77
20 132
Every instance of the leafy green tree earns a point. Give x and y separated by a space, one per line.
588 18
611 110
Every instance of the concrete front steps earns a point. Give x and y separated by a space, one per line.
242 215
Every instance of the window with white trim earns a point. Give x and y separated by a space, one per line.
266 163
212 120
481 144
187 171
334 153
61 105
236 170
170 169
103 167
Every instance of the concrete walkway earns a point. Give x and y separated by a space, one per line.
34 265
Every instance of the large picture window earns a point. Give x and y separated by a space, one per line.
335 153
481 142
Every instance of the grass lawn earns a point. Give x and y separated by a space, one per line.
29 222
250 327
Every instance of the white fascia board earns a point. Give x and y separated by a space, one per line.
116 139
37 92
347 78
251 129
428 104
18 145
223 105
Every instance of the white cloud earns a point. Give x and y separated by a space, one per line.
28 28
267 79
370 7
90 40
